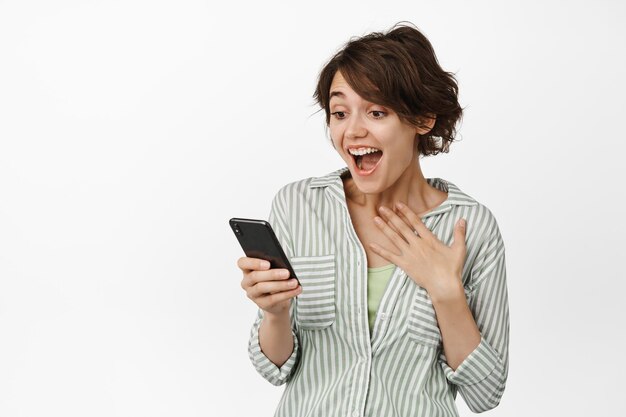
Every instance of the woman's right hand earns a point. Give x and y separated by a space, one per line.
270 289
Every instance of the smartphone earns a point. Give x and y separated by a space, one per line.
258 240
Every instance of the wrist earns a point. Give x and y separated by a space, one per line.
448 292
276 318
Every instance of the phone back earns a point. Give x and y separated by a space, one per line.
258 240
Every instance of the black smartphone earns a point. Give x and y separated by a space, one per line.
258 240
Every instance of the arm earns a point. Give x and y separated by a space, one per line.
459 330
275 337
273 346
286 358
476 332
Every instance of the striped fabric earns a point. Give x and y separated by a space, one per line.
337 368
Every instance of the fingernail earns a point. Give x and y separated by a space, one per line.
399 205
284 273
266 264
462 222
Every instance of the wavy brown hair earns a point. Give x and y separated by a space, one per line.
398 69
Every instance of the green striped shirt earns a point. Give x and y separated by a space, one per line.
337 368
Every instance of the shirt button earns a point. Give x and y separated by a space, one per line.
383 316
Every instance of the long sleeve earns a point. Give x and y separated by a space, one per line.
481 377
266 368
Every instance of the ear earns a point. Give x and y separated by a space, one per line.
426 123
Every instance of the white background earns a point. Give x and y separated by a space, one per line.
131 131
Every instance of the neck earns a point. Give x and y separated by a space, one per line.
410 188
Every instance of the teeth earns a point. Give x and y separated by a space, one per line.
363 151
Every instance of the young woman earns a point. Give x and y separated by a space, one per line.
403 297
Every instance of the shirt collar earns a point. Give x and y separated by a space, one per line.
455 195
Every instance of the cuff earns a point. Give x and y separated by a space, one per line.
476 366
266 367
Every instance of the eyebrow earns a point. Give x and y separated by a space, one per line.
340 94
336 94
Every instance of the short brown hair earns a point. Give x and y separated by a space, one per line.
399 70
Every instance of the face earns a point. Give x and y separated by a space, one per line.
357 123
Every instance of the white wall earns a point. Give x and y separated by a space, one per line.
131 131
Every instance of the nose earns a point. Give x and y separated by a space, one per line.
355 127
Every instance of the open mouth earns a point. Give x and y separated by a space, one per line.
367 162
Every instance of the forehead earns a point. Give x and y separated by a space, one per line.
338 80
340 89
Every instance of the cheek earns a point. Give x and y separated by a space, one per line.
402 154
334 141
335 137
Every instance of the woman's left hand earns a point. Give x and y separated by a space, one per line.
429 262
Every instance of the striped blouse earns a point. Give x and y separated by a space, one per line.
337 368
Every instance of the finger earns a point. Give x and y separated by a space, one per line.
271 287
272 299
263 289
275 274
388 255
459 233
251 264
408 222
391 234
403 217
393 227
405 230
415 221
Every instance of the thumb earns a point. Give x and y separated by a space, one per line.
459 232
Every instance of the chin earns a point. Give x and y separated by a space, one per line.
369 187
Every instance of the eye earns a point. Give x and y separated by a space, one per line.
337 114
378 111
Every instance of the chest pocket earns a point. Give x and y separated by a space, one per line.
315 306
422 324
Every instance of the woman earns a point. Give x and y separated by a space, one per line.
401 304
